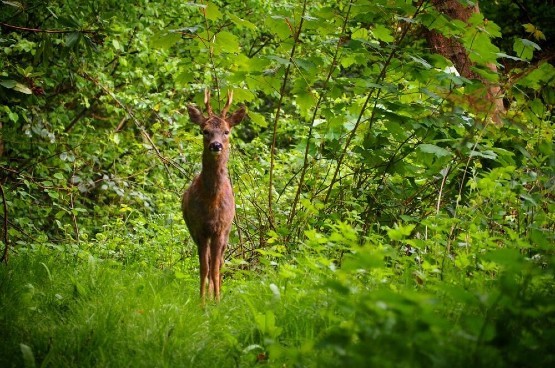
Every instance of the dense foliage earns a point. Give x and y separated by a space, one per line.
385 215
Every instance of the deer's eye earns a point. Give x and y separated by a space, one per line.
226 132
205 132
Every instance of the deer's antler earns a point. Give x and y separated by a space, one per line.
228 103
207 101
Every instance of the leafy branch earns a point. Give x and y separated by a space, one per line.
296 37
359 120
332 68
164 160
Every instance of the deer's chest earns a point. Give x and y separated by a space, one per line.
212 210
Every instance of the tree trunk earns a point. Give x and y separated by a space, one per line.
453 50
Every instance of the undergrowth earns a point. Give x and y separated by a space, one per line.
377 309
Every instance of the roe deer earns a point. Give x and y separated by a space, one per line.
208 205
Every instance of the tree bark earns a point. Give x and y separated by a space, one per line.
454 50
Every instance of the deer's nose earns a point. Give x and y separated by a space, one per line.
215 147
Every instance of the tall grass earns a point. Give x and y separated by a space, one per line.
56 313
61 310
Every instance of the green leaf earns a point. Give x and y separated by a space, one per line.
480 47
525 48
305 100
421 61
360 34
539 237
72 39
180 275
241 23
400 232
278 25
539 77
503 55
529 199
488 154
212 12
16 86
185 77
435 150
241 94
508 258
537 107
28 356
226 42
23 89
164 39
382 33
280 60
9 83
529 27
53 195
266 323
13 116
15 4
258 119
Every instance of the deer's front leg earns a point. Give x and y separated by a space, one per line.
217 257
204 262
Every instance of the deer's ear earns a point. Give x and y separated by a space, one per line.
195 115
237 116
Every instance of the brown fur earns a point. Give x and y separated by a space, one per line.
208 204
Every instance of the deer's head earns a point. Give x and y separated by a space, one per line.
215 129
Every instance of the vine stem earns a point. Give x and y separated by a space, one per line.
333 66
296 37
4 226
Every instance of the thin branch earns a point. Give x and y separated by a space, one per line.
333 66
296 37
165 161
380 77
51 31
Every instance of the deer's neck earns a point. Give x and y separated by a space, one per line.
214 171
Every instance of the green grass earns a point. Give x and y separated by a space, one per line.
97 314
58 310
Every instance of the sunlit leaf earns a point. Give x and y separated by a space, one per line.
242 23
22 88
530 28
382 33
226 42
212 12
15 4
28 356
400 232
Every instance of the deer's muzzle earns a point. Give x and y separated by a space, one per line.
216 147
